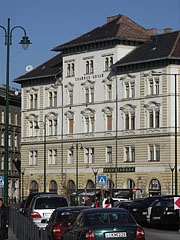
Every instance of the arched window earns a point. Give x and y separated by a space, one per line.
154 188
90 184
53 186
130 184
34 186
71 185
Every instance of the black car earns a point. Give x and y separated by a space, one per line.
104 223
139 208
60 221
123 204
156 209
170 216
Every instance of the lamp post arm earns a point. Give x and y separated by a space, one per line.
17 27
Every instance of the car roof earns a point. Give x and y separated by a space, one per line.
72 208
103 210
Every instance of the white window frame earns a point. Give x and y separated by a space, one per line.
70 156
89 155
154 151
109 154
129 154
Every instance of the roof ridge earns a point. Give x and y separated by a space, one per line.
174 46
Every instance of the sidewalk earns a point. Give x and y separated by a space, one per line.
11 235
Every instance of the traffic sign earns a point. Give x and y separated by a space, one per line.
176 203
1 181
102 180
134 190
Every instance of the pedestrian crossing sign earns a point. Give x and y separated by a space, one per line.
1 181
102 180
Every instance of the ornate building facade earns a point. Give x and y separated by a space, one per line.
98 105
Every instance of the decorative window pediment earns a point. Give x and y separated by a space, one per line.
128 78
32 90
51 87
32 117
69 115
51 115
69 86
88 84
128 108
107 111
88 112
152 105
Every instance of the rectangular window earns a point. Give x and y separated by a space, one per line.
72 69
151 125
9 140
71 122
151 152
92 95
87 124
157 87
109 123
55 157
157 118
35 158
157 152
151 87
50 127
16 119
50 99
55 99
127 154
91 66
87 67
92 124
106 64
35 101
89 155
68 70
16 141
109 91
127 90
9 164
2 117
31 158
10 120
31 101
127 121
2 139
50 157
55 127
87 95
133 121
2 162
70 156
71 97
109 154
133 90
132 154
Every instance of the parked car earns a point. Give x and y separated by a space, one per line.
114 199
170 216
104 223
156 209
139 208
60 221
28 200
123 204
42 206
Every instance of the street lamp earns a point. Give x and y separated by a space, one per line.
8 42
95 171
172 170
175 80
77 144
37 127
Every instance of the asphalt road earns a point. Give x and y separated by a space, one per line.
155 234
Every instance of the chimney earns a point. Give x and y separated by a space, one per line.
109 19
151 32
167 30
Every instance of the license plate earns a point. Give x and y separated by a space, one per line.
46 215
115 234
144 213
156 218
134 209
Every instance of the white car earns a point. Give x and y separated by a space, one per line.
42 206
114 199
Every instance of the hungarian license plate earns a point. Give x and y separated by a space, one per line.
115 234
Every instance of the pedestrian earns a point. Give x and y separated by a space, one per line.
4 219
88 202
109 202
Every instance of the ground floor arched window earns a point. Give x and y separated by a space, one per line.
130 184
154 188
34 187
110 184
53 186
90 184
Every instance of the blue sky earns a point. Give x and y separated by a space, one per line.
51 22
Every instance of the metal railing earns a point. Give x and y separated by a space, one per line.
24 228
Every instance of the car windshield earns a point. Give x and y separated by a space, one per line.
66 216
50 203
162 203
109 218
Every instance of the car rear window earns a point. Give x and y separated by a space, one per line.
66 216
50 203
162 203
137 203
109 218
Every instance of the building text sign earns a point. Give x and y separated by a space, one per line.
119 170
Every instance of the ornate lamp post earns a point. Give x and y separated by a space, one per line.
95 171
8 42
77 144
37 127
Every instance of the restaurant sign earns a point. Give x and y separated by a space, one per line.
119 170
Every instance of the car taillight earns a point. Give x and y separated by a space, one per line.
35 215
26 212
90 235
56 230
140 233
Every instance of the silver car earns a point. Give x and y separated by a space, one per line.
42 206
